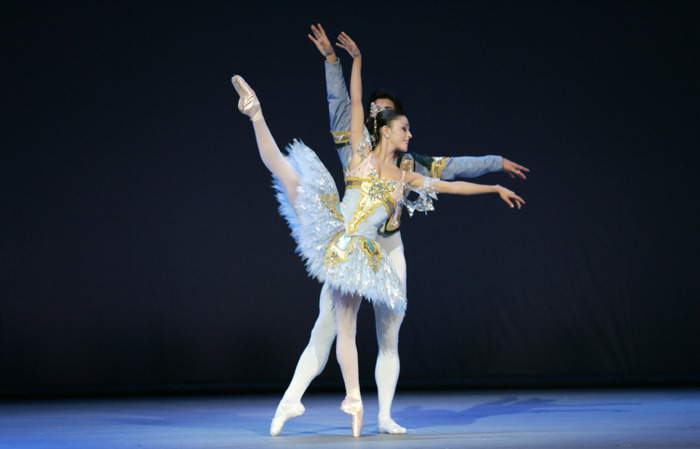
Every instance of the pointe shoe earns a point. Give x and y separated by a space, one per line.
388 425
354 408
248 102
284 413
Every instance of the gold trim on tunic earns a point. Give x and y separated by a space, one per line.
407 163
340 137
439 164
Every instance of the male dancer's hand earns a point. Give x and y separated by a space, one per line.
514 169
322 43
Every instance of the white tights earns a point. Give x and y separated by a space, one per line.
315 355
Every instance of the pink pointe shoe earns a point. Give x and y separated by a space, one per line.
248 102
355 409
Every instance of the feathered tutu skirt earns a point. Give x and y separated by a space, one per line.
351 264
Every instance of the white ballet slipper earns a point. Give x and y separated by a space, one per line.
388 425
284 413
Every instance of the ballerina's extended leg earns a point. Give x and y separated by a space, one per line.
248 102
270 153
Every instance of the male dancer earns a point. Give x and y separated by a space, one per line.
315 356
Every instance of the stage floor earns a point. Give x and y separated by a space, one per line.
600 418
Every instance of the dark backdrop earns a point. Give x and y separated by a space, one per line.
142 249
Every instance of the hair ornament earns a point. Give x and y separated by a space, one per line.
375 109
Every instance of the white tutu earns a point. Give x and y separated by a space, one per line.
353 264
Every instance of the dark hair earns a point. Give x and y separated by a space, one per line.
384 118
378 95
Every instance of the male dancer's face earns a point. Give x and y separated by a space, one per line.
388 104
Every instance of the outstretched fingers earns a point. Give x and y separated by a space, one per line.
519 201
515 170
348 44
320 39
510 197
318 31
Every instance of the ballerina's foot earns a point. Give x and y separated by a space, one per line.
388 425
355 409
248 102
284 413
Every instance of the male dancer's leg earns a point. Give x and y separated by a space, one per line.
310 364
388 323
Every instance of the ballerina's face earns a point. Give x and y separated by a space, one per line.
400 133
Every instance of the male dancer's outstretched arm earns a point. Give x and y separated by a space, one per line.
446 168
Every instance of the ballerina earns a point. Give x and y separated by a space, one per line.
338 239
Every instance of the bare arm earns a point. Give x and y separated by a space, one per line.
416 181
357 115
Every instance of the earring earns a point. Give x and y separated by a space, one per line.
386 136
